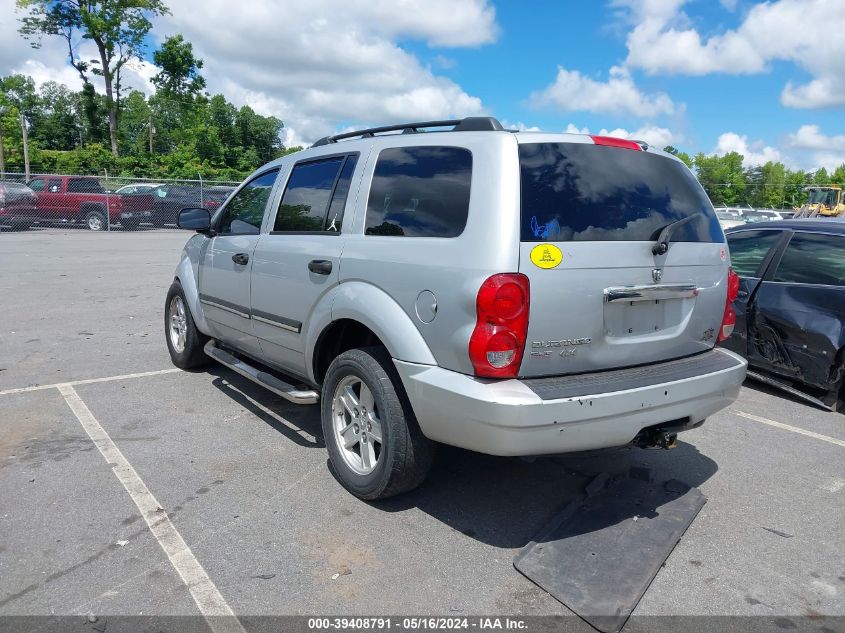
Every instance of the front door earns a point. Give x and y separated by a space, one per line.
225 274
298 262
751 253
796 330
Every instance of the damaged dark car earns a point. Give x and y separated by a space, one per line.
790 312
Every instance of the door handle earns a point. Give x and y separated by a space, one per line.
320 266
242 259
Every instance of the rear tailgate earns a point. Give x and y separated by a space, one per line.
600 297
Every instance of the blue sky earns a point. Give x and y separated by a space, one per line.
762 78
591 37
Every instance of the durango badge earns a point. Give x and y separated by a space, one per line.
546 256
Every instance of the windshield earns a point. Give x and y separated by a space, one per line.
586 192
826 197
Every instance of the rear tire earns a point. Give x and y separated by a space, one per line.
96 221
365 411
184 341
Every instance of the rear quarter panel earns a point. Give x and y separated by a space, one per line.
451 268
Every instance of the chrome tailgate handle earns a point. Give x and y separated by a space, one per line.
650 293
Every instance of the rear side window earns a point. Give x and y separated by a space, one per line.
586 192
83 185
420 192
749 249
813 259
315 190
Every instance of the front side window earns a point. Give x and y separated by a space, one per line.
813 259
243 214
749 249
36 184
420 192
305 203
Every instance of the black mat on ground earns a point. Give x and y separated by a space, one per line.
601 552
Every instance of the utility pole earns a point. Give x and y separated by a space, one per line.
2 149
152 129
25 148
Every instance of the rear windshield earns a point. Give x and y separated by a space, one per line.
577 192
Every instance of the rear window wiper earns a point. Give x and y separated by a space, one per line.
661 247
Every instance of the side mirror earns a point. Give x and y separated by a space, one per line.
194 219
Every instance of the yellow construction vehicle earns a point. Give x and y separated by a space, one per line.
822 201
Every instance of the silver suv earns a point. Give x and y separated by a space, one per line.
509 293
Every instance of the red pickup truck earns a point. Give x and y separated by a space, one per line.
83 199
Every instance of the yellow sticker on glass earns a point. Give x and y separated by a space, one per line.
546 256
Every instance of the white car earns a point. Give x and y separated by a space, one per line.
143 187
728 220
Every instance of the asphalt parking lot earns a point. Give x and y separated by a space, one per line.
241 478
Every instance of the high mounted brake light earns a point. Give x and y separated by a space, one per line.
498 340
729 317
612 141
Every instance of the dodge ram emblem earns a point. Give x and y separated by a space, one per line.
657 275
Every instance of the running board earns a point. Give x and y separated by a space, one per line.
259 377
772 382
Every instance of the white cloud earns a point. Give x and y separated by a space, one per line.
818 149
573 91
519 125
316 65
664 41
571 128
323 65
655 136
755 153
811 137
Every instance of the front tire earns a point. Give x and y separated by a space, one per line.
184 341
375 445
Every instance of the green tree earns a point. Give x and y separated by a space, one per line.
669 149
179 77
821 177
116 27
134 125
58 125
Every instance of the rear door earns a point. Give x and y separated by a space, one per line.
798 318
224 280
751 254
600 298
299 261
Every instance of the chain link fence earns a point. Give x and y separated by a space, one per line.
102 203
106 203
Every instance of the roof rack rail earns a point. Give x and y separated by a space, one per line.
467 124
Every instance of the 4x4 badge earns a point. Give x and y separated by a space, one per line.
657 275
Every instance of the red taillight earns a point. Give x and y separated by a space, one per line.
498 340
729 317
612 141
212 204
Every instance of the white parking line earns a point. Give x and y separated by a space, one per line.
89 381
208 599
787 427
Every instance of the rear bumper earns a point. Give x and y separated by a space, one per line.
509 418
